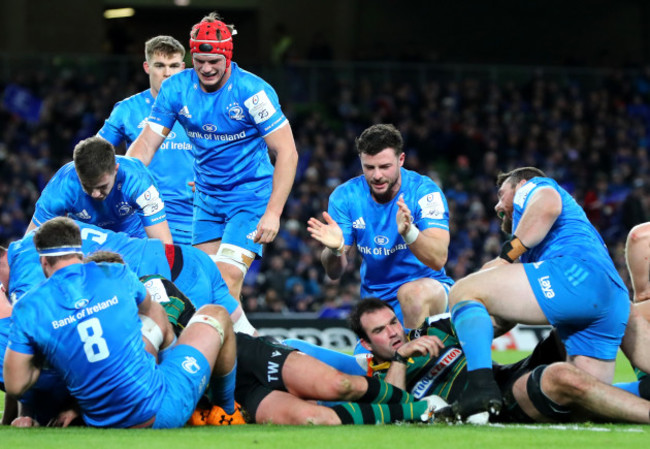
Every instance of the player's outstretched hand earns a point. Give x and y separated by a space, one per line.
24 421
328 233
425 345
404 217
64 419
267 228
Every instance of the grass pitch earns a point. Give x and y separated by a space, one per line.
409 436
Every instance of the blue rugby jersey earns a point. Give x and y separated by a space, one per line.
133 203
387 261
172 165
226 127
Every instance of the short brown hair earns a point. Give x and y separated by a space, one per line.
165 45
93 158
104 256
57 232
379 137
518 174
366 305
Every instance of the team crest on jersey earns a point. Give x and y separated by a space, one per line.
124 208
381 240
235 112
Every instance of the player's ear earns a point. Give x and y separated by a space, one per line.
365 344
116 167
145 66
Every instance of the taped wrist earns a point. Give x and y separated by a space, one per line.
338 251
512 249
411 235
151 331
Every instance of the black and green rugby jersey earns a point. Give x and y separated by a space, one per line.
443 375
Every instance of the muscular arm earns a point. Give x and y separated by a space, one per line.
146 145
637 252
540 214
334 265
156 312
431 247
159 231
283 147
425 345
330 235
31 226
20 372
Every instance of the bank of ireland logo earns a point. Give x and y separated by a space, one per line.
171 135
209 128
81 304
190 365
381 240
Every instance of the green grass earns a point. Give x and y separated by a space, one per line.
581 436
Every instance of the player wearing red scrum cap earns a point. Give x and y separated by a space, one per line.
234 121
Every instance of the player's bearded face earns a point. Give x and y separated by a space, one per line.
382 172
504 206
210 70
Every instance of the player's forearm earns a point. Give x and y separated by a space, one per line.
396 375
334 265
430 251
283 176
538 218
145 146
160 231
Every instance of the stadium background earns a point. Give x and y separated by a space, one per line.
474 87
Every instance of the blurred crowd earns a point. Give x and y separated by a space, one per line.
593 138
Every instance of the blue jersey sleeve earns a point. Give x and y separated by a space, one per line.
162 112
263 107
144 195
431 210
113 129
19 336
138 288
339 211
53 201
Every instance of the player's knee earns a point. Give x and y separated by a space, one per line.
341 386
320 416
233 261
544 394
219 313
563 383
639 233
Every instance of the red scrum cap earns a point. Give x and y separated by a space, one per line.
212 38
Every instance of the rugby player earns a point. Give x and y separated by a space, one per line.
234 120
188 268
539 388
113 192
399 221
94 310
277 384
172 167
566 278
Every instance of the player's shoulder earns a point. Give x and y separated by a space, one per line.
248 83
350 189
414 179
65 176
131 164
533 184
135 101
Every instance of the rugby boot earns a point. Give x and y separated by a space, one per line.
435 403
481 394
218 417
